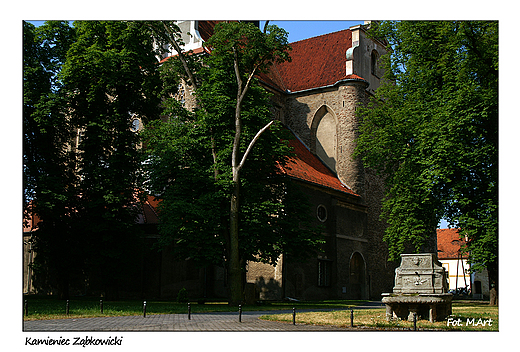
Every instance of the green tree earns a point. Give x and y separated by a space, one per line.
48 164
111 78
432 130
215 167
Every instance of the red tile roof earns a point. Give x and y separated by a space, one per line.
194 51
316 62
306 167
449 244
303 166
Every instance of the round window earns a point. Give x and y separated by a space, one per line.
136 125
321 213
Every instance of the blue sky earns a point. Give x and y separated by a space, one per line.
299 30
37 23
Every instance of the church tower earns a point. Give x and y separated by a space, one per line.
316 96
329 78
350 171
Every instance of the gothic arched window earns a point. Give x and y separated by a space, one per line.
324 136
374 57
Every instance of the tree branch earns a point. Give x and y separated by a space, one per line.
237 72
177 48
265 26
252 143
248 83
238 124
181 55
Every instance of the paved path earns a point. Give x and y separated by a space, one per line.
180 322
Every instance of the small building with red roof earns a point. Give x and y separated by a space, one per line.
450 252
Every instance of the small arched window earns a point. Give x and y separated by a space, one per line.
374 57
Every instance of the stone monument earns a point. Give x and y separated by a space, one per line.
421 288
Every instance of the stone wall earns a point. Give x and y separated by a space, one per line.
350 170
267 279
380 270
304 112
363 58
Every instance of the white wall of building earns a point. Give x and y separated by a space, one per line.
477 282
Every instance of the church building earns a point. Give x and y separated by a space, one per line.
316 96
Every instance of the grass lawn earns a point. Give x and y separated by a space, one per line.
45 307
467 315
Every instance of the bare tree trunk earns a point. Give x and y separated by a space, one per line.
235 269
178 49
493 284
235 264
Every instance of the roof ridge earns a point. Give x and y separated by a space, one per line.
321 35
279 76
316 62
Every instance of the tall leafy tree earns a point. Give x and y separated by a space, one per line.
432 130
215 167
111 78
248 51
49 180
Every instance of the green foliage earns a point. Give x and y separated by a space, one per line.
82 163
110 75
182 296
432 130
189 156
252 47
82 85
48 165
46 129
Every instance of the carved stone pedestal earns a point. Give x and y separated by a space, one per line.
434 307
420 288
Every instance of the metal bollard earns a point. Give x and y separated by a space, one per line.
189 311
144 309
294 316
414 321
352 318
26 308
239 313
67 306
101 305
